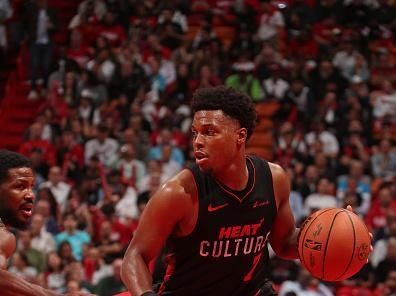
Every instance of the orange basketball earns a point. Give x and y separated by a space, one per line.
333 244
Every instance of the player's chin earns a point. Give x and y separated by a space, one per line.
204 165
23 221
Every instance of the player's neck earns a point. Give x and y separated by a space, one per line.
236 176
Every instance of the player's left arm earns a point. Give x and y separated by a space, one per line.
283 236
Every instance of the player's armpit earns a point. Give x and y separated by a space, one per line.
283 237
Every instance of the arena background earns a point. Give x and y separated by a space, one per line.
96 94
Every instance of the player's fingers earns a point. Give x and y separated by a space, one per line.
349 208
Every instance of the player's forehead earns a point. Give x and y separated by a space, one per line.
20 174
212 117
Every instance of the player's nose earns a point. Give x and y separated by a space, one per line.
30 196
198 141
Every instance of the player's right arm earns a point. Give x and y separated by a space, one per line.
162 217
11 284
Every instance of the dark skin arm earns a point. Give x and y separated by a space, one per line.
284 234
11 284
162 217
283 237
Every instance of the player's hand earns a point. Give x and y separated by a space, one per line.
349 208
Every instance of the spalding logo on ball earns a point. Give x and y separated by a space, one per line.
333 244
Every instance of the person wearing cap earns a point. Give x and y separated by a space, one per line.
244 80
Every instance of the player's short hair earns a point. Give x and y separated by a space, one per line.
232 102
10 160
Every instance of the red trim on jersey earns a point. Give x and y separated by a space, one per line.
247 193
170 269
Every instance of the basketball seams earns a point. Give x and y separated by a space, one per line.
327 240
335 241
307 225
354 244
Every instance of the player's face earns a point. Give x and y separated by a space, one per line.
215 140
17 197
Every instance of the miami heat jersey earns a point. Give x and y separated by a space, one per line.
226 253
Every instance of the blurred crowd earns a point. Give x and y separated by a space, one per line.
115 120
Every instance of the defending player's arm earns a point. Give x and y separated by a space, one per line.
10 284
159 220
283 237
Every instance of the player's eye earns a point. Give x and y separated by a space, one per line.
210 132
20 186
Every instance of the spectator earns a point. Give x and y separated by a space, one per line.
244 80
386 266
383 160
170 27
103 147
42 240
70 155
376 216
132 170
329 142
357 181
35 141
380 246
20 266
76 238
6 12
111 30
111 284
65 253
54 276
57 186
275 87
323 198
290 145
270 25
304 286
156 152
98 6
35 258
41 22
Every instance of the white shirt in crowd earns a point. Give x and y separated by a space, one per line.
61 191
106 151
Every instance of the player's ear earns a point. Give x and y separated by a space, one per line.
242 136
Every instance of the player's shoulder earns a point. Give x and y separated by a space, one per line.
180 187
279 176
276 168
7 242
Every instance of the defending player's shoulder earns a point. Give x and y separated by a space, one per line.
7 245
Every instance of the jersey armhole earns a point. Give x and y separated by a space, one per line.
271 183
190 170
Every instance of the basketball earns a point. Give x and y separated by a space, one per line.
333 244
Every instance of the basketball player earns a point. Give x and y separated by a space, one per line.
16 206
217 216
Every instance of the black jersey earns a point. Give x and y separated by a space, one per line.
226 253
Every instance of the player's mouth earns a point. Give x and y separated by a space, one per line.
26 210
200 156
